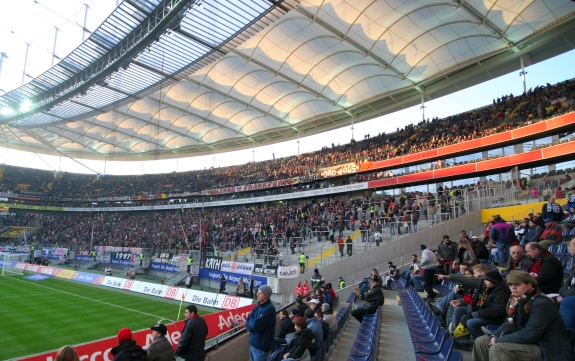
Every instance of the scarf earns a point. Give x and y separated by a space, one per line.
514 304
537 265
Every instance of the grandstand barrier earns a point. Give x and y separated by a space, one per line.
219 323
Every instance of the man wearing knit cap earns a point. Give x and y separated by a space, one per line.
261 324
533 331
127 349
487 306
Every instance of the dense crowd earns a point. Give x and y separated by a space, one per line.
505 113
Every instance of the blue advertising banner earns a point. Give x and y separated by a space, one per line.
232 278
85 277
164 267
121 262
84 258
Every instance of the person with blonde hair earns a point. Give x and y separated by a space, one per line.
465 253
67 353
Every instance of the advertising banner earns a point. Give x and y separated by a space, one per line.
265 269
218 323
121 262
232 278
213 263
237 267
53 252
87 277
338 170
164 267
288 271
83 258
251 187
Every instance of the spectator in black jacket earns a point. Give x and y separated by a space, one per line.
301 306
304 341
447 252
193 341
287 329
546 268
373 299
127 349
566 297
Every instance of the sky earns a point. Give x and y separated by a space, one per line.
68 17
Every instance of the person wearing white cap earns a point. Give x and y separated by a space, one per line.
313 304
261 324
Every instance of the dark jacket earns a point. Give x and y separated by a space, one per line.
193 341
550 276
447 251
161 350
502 232
523 265
568 288
304 340
374 298
544 326
286 326
492 311
533 234
261 324
128 351
301 309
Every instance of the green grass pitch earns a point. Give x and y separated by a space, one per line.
40 316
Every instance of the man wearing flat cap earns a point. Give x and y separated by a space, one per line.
261 324
160 349
534 329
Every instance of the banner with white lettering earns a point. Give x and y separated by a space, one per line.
213 263
252 187
342 169
265 269
288 271
237 267
232 278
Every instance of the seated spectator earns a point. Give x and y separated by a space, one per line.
301 306
392 274
324 326
534 330
481 251
520 230
533 233
373 299
519 261
551 234
329 318
304 343
287 330
315 327
487 306
569 221
67 353
566 298
465 253
546 268
552 210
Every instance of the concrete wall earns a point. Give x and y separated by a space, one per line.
386 252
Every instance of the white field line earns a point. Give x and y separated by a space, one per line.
91 299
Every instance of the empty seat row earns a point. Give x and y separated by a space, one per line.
367 340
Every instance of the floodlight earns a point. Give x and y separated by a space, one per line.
25 105
6 111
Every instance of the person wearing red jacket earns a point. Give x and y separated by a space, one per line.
305 289
298 289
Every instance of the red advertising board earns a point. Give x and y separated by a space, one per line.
218 323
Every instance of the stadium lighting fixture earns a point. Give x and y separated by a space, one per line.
6 111
25 105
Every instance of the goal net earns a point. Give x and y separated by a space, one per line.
8 261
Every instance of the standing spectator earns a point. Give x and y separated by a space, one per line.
67 353
341 283
222 283
131 273
251 287
349 245
161 349
534 329
127 349
302 259
261 324
428 263
188 282
316 280
193 340
340 245
241 288
552 210
447 252
503 236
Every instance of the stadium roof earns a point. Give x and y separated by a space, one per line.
166 79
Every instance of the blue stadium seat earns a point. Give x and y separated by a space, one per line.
552 248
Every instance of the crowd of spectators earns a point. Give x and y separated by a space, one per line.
505 113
